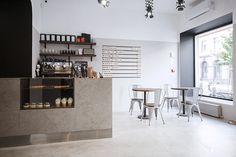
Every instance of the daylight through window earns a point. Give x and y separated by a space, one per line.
213 62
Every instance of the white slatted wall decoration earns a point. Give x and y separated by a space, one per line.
121 61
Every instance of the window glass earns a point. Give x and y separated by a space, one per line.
213 62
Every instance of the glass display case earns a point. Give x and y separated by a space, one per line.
47 93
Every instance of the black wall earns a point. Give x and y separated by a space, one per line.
16 39
187 74
187 50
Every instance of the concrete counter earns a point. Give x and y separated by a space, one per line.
91 117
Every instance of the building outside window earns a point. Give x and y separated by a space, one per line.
216 42
213 62
203 46
204 70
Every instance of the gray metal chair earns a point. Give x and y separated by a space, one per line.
192 101
170 97
134 98
154 106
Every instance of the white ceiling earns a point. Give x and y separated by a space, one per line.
163 6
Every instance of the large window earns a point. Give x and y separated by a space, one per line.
213 62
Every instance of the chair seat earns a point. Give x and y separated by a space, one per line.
169 97
137 99
188 102
151 105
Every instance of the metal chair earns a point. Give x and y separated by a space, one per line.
134 98
192 101
170 97
154 106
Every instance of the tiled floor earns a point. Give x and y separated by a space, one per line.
132 138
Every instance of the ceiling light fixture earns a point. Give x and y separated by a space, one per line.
180 5
104 3
149 8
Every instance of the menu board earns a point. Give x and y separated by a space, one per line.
121 61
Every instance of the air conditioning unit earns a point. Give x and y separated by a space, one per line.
199 7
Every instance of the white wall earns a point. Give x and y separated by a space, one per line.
222 7
36 29
36 11
76 16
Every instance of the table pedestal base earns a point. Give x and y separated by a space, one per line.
182 115
144 117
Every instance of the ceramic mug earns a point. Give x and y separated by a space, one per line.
33 105
63 102
39 105
26 105
58 102
47 105
70 101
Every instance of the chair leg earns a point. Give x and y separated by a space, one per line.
156 113
199 112
192 111
163 104
177 102
131 107
171 103
140 105
150 111
168 105
189 111
180 108
142 114
161 116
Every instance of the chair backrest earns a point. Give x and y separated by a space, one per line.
157 97
168 91
133 94
196 93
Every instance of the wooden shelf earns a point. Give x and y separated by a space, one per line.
51 88
67 55
70 43
51 107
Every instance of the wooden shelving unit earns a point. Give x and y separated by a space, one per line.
68 46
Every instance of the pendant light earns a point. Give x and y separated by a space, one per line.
180 5
104 3
149 8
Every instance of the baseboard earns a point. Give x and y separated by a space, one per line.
34 139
